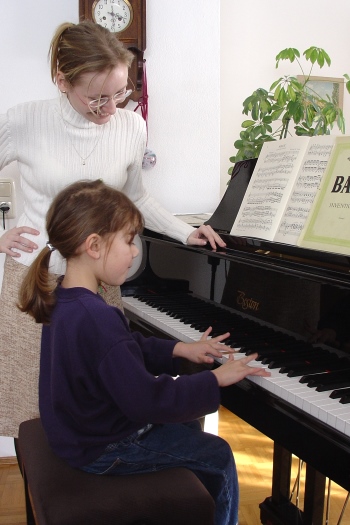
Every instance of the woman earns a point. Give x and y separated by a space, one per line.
79 135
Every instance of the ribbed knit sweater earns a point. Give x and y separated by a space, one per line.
49 141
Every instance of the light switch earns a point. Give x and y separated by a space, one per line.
5 190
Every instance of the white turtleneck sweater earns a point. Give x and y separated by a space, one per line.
49 141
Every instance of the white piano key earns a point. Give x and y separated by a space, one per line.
308 400
295 393
278 384
321 408
336 415
347 427
324 411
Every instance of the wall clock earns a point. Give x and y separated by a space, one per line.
115 16
127 20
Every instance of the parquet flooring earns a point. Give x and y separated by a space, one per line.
253 455
12 507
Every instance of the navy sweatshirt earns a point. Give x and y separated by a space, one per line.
99 382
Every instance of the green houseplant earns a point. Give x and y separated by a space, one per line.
288 105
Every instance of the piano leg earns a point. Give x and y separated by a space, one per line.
282 465
315 484
278 509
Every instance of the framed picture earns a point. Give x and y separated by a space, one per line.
326 87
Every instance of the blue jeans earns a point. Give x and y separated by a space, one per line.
158 447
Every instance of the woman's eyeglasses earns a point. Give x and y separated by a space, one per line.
96 105
119 97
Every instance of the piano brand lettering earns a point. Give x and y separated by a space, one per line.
246 303
340 186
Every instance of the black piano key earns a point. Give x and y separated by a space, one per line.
288 361
249 350
324 377
337 375
313 367
284 358
294 350
330 386
291 371
308 363
329 380
339 393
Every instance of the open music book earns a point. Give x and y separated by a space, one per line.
327 227
282 188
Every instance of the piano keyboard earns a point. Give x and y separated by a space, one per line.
185 319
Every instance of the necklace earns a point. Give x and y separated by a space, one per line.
100 131
84 159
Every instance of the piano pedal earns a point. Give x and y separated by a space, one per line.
283 513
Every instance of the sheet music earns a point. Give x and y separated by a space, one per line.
305 189
327 226
282 188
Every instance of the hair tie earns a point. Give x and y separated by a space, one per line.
50 247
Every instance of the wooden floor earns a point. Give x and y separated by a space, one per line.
253 455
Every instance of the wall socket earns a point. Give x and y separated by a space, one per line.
9 213
7 197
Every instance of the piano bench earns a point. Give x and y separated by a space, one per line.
57 494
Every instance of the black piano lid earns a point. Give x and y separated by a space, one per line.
324 267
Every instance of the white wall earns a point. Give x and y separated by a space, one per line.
204 58
183 71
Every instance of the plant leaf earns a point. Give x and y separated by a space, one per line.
282 97
290 53
247 123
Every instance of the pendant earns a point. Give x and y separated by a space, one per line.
83 163
149 159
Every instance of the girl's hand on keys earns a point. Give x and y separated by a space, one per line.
204 350
234 370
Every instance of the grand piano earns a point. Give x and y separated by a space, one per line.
272 298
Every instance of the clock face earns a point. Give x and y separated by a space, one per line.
115 15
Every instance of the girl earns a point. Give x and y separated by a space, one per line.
108 399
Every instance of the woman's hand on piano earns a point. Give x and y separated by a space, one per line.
13 240
203 350
204 234
235 370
